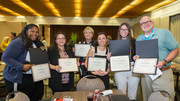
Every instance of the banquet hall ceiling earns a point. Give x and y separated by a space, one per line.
80 8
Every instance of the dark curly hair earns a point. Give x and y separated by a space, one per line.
27 43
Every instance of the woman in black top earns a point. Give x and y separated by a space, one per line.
88 34
60 81
124 78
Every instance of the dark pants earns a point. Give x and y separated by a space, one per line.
66 87
105 79
83 70
34 90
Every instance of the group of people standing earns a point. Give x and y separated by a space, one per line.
18 75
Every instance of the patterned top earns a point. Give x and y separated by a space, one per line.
65 76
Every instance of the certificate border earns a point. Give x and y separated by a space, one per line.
48 76
120 70
68 70
81 55
149 73
96 58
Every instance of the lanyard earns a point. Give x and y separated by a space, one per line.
144 38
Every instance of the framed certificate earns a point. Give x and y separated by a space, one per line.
40 72
68 65
145 66
120 63
96 63
82 49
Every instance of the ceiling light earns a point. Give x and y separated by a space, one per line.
128 7
20 17
50 5
1 16
158 5
77 6
9 11
26 7
104 5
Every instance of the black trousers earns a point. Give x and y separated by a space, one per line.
105 79
34 90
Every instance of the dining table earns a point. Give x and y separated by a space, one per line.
82 95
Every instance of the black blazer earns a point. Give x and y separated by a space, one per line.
55 82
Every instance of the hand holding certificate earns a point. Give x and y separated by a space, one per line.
145 66
40 72
96 63
82 50
68 65
148 53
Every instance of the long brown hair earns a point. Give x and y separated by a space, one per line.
119 37
129 36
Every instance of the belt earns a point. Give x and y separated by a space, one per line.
166 68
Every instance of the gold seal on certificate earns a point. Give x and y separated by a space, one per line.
145 66
82 50
40 72
96 63
120 63
68 65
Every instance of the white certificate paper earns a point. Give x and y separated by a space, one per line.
145 66
82 50
158 73
96 63
68 65
120 63
40 72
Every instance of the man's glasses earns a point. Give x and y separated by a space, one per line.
147 22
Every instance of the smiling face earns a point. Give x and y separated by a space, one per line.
124 31
33 33
102 40
88 34
60 40
146 24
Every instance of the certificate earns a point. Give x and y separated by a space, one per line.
68 65
96 63
145 66
81 50
120 63
40 72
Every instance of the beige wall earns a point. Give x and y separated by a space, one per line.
47 34
7 27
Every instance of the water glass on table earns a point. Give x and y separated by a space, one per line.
90 96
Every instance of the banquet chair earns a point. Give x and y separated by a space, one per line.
160 96
18 96
90 83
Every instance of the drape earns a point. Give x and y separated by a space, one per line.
175 27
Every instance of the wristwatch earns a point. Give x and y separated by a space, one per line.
165 62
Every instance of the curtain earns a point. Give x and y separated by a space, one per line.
175 27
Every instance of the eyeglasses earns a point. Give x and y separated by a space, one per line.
123 29
147 22
60 38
